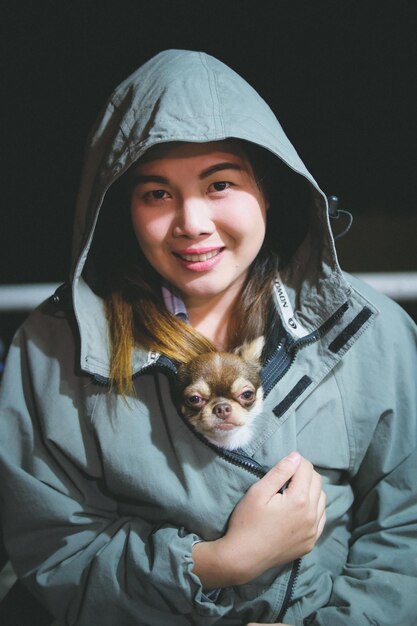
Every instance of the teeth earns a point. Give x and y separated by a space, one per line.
200 257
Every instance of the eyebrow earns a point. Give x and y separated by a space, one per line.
218 167
151 178
156 178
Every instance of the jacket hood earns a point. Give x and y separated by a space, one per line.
181 95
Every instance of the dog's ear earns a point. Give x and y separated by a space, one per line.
251 351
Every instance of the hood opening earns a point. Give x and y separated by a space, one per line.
114 249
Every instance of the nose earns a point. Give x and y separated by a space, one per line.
193 219
222 410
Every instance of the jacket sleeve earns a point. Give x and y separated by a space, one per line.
85 562
379 582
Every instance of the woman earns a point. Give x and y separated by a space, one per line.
198 228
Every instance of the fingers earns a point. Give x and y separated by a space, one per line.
305 490
300 509
306 482
304 478
278 476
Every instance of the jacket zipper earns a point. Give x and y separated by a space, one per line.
279 364
290 588
254 468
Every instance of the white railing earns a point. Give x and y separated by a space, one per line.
400 286
15 298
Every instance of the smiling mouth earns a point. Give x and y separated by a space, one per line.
196 258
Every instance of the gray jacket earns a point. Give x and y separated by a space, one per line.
102 498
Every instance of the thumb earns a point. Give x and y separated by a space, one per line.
279 475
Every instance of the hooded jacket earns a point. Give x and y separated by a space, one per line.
102 498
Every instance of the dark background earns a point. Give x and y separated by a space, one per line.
339 74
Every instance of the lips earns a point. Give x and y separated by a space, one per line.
200 260
199 257
200 254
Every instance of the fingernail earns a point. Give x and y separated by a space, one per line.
294 457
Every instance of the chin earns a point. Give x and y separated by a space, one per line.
237 438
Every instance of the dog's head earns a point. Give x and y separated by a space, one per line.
221 393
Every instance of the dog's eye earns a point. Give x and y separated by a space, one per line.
195 400
247 395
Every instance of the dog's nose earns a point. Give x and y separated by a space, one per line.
222 410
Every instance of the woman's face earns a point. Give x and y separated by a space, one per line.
199 216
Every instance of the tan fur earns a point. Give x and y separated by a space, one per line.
213 389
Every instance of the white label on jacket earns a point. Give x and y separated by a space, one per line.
287 312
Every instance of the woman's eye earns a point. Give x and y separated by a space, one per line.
156 194
220 185
153 195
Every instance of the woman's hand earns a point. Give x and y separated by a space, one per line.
266 528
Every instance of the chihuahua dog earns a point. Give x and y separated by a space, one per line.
221 394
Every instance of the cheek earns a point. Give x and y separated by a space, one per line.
247 213
245 223
150 229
